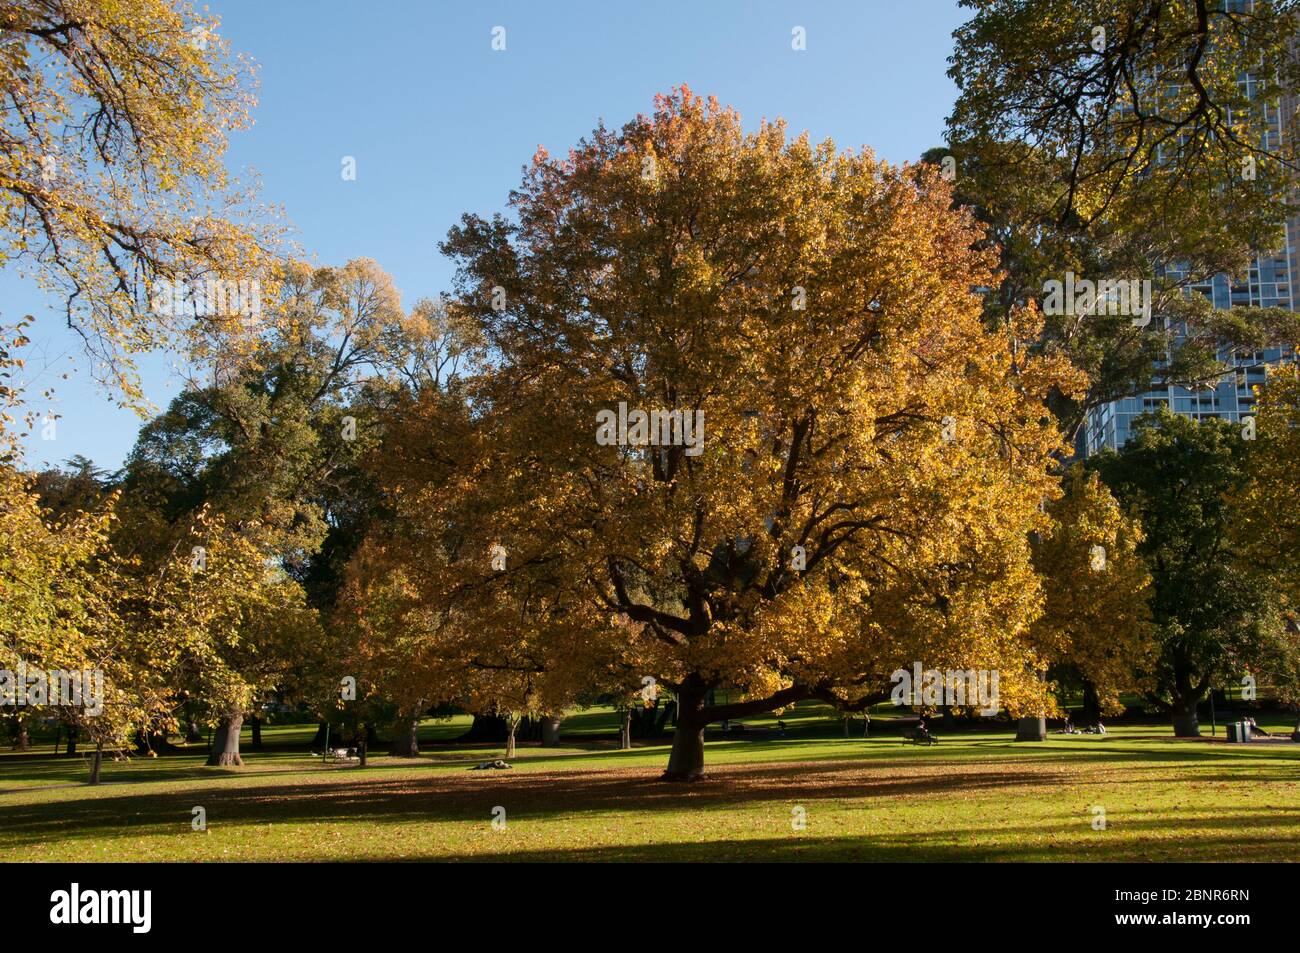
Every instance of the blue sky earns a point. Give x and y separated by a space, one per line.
441 124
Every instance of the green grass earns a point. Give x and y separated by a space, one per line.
976 796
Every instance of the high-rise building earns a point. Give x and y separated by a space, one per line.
1273 282
1230 397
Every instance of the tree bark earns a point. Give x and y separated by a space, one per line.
21 739
625 731
490 728
318 741
1185 721
551 731
686 760
225 743
97 762
255 744
512 724
406 738
362 743
152 743
1032 729
71 746
1091 714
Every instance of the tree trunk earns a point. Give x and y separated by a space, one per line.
866 723
255 744
1032 729
530 729
1186 724
846 719
97 762
317 743
512 724
362 743
406 738
152 743
21 740
485 728
551 731
625 731
71 747
225 743
1091 714
686 760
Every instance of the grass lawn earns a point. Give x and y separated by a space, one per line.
975 796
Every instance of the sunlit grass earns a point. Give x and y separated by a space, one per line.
976 796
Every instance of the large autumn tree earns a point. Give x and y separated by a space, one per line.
872 459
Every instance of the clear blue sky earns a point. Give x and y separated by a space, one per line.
441 124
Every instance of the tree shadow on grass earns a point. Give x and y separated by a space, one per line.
444 796
456 796
1227 843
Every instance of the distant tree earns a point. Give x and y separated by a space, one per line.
1215 616
238 624
1096 620
1267 529
79 486
66 610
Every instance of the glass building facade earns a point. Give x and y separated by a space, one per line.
1273 282
1231 397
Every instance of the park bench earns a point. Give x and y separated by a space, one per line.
341 756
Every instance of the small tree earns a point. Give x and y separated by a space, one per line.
1096 587
239 624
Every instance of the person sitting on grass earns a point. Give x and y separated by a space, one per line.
1255 729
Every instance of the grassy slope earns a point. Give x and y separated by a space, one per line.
974 797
